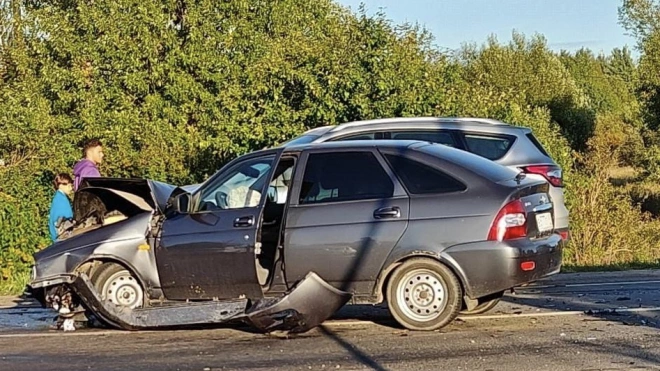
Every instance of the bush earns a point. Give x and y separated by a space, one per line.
22 233
606 229
176 91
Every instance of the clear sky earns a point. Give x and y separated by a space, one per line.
566 24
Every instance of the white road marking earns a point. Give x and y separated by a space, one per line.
348 323
595 284
597 311
62 333
344 323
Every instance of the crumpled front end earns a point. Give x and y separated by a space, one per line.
157 316
310 303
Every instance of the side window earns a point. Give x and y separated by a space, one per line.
361 136
492 148
239 187
365 136
442 137
344 176
278 188
423 179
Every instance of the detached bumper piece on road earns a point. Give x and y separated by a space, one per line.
310 303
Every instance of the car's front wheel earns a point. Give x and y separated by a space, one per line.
116 284
423 294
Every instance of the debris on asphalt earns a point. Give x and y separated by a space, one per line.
607 311
622 298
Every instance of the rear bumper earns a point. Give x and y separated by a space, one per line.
565 234
489 267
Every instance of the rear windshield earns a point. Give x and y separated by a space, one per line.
477 164
490 147
537 144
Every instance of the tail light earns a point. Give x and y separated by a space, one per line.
510 223
551 173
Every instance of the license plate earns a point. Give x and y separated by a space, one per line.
544 222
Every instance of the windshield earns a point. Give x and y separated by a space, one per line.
241 187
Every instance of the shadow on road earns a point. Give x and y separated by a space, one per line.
357 354
623 349
623 308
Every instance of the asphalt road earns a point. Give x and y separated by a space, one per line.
589 321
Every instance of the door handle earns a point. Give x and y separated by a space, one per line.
387 212
244 221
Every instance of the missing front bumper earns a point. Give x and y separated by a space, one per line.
310 303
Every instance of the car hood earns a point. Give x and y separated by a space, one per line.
129 196
109 236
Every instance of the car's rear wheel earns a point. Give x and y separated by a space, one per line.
116 284
484 305
423 294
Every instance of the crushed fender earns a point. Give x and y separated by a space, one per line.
311 302
183 314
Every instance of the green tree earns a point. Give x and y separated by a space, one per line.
528 73
642 19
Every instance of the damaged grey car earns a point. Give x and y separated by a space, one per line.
283 238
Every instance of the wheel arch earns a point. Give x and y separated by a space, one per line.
386 274
91 264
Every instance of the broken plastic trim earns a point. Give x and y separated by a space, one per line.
311 302
155 317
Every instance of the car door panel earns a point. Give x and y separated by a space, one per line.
346 242
205 256
210 252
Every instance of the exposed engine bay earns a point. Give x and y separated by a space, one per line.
95 207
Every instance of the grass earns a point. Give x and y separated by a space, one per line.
647 195
642 192
620 176
15 285
610 268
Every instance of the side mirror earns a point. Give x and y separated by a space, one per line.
182 203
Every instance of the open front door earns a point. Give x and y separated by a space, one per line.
210 252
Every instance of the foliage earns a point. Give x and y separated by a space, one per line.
175 89
606 229
642 19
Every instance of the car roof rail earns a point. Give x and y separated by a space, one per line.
395 120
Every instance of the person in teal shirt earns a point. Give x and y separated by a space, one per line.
61 206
